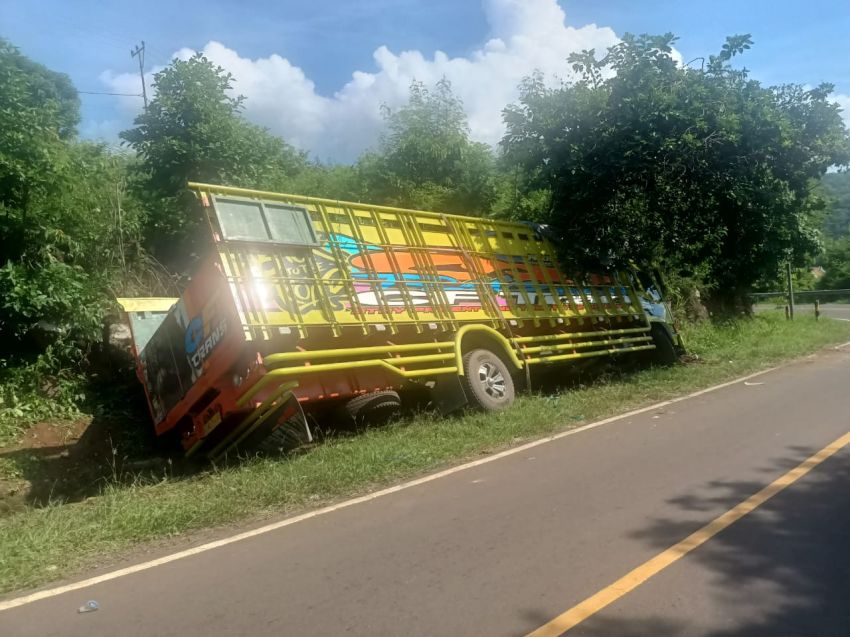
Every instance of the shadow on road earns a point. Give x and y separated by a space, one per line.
783 570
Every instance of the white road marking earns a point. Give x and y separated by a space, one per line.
203 548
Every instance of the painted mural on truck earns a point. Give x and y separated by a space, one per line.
345 277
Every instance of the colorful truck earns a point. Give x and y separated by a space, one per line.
304 305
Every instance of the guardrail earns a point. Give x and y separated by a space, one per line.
804 296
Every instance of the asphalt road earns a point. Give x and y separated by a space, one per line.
832 310
503 547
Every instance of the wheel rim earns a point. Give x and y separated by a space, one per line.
492 381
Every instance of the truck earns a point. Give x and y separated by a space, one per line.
305 305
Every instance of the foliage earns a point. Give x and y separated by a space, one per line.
192 131
338 181
68 253
44 390
426 159
519 195
835 260
701 168
38 109
835 188
68 228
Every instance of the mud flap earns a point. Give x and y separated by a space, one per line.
282 428
448 395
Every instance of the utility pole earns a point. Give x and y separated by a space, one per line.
139 52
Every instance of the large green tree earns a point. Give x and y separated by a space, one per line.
39 108
193 130
68 226
698 166
426 159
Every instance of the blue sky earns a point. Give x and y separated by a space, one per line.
294 60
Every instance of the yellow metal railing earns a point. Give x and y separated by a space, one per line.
256 418
379 267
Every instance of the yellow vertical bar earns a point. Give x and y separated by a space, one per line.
341 258
527 309
287 291
469 251
433 285
412 311
544 270
378 287
365 253
246 287
234 288
389 250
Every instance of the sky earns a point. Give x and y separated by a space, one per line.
317 72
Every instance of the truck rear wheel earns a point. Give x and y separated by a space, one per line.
377 404
487 380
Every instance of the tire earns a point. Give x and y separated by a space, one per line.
286 437
487 381
665 350
381 404
276 437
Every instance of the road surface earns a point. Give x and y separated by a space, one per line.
504 547
833 310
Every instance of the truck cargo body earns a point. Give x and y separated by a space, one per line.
310 302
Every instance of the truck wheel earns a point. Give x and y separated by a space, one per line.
376 404
487 380
286 437
665 351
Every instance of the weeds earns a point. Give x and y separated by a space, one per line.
34 393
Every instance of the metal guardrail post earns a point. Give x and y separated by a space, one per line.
817 309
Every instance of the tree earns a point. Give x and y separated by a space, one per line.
39 108
835 261
426 159
338 181
835 188
192 130
68 227
699 167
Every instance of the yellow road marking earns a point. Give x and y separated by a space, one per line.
631 580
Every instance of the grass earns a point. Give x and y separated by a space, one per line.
42 544
30 394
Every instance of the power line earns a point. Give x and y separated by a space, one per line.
119 94
139 52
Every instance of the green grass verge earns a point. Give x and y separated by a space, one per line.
44 544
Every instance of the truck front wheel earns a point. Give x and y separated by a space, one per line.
487 380
665 350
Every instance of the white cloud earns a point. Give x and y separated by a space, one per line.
525 35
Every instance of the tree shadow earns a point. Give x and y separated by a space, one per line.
784 569
117 447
